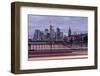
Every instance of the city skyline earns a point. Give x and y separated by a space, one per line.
77 24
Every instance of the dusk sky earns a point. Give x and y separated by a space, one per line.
76 23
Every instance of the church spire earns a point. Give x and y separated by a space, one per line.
69 32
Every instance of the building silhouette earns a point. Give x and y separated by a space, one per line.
38 35
51 34
59 34
69 32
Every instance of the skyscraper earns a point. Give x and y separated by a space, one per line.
38 35
57 33
46 32
52 32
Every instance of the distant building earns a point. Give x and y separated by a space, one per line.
69 32
46 34
38 35
46 31
59 34
52 33
75 37
42 36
